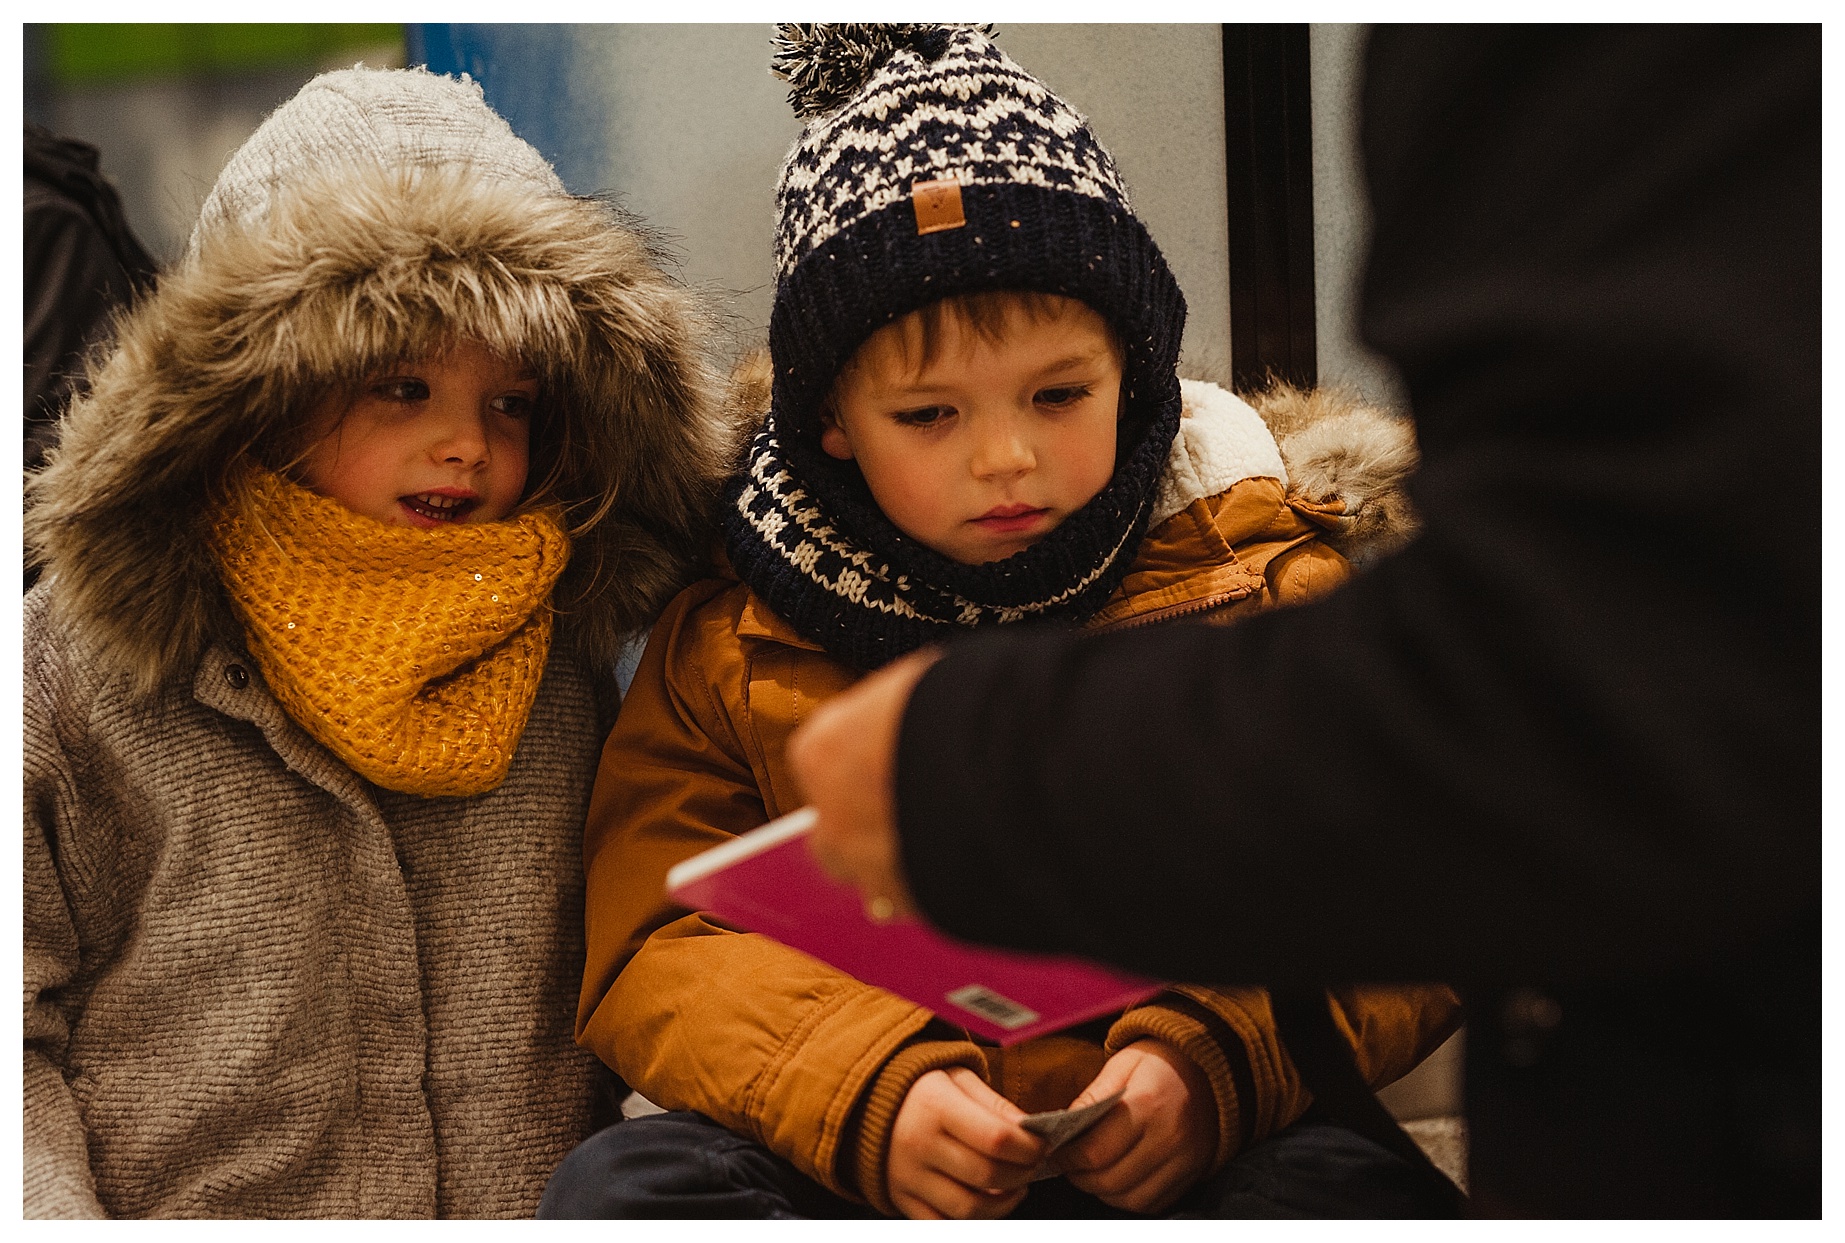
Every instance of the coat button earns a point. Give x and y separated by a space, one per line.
237 676
1528 1019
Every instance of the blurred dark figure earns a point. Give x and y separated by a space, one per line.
1563 750
81 262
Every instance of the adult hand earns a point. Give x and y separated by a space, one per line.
957 1150
845 761
1148 1150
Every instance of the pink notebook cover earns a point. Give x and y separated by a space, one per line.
767 881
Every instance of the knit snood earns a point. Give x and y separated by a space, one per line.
803 530
412 655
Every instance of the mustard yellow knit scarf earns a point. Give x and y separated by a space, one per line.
412 655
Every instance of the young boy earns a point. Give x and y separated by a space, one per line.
976 419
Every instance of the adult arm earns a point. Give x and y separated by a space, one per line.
1573 729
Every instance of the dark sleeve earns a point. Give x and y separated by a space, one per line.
1575 726
72 279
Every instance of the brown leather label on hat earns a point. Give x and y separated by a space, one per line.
938 206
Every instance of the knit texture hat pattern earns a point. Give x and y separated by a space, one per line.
932 165
412 655
1044 206
399 118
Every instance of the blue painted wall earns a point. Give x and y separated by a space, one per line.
529 75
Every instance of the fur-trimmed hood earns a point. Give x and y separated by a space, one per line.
1326 445
1339 447
352 271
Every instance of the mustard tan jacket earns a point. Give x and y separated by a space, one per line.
809 1061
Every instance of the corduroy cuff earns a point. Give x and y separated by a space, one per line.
1189 1036
872 1158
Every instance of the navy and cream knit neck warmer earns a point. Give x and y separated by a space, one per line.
933 165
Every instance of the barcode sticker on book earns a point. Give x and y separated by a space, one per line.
989 1005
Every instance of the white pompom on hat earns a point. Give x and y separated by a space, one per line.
397 118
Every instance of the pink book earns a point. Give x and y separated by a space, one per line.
768 881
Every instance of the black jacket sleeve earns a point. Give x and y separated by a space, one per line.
81 262
72 281
1574 728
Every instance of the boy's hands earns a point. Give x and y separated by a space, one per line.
957 1150
1148 1150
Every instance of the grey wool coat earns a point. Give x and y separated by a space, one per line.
255 984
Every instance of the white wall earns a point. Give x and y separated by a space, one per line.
1342 217
697 129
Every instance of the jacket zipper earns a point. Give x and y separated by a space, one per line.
1204 605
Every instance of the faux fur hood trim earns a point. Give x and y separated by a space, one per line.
1339 447
349 274
1324 445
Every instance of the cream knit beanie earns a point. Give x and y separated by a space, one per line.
399 118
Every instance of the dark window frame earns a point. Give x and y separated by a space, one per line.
1268 157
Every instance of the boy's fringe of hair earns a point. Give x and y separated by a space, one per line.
347 276
919 336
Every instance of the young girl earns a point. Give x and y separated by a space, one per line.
976 420
338 553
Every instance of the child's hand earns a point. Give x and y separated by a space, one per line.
957 1150
1148 1150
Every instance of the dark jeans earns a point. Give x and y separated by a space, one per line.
685 1165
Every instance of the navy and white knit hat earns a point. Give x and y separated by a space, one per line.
932 165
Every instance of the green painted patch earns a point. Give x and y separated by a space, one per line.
87 53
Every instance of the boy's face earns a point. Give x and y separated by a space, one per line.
991 444
437 441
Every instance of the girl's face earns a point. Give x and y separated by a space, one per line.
446 439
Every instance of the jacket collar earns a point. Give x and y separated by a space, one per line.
759 621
